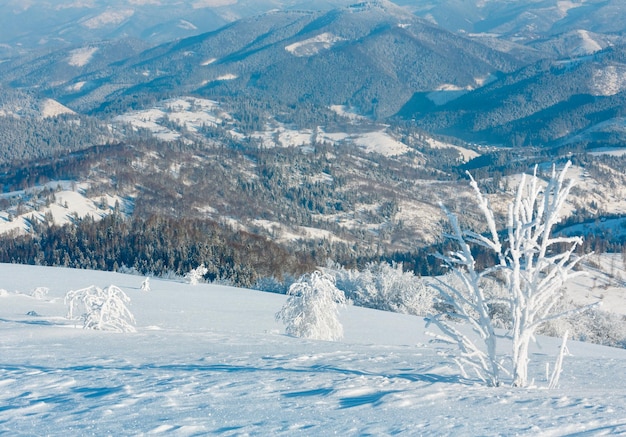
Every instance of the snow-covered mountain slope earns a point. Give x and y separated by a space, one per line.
210 359
58 203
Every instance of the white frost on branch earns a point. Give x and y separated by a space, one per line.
531 265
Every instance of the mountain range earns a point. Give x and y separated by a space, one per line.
394 101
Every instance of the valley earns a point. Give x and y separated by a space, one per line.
334 130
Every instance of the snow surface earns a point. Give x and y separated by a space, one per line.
380 142
210 359
199 4
466 154
52 108
111 17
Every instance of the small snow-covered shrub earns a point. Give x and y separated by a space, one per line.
145 284
39 292
101 309
194 276
592 325
312 308
386 287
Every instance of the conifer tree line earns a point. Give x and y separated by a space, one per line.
156 246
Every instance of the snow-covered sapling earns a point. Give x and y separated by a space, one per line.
312 308
531 264
145 284
101 309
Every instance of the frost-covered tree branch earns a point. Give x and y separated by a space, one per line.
532 265
468 300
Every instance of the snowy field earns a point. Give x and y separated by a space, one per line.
211 360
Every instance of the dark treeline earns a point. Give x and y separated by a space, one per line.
155 246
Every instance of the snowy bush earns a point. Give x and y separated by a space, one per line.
194 276
592 325
39 292
385 287
101 309
145 284
312 308
531 265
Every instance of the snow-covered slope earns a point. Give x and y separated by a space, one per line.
68 202
211 359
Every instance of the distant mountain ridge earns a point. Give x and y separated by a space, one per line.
539 104
55 24
372 56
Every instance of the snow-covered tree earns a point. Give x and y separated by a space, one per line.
312 308
101 309
195 275
531 264
145 284
386 287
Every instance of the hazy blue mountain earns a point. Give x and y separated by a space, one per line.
372 56
548 101
52 24
553 28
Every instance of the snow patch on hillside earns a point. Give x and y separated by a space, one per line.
588 45
76 86
312 46
465 154
149 119
208 62
82 56
228 76
446 93
380 142
199 4
108 18
68 205
189 112
184 24
281 233
564 6
347 112
52 108
608 80
282 136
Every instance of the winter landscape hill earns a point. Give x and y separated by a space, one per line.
210 359
250 142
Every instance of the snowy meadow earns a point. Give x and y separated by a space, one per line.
213 360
